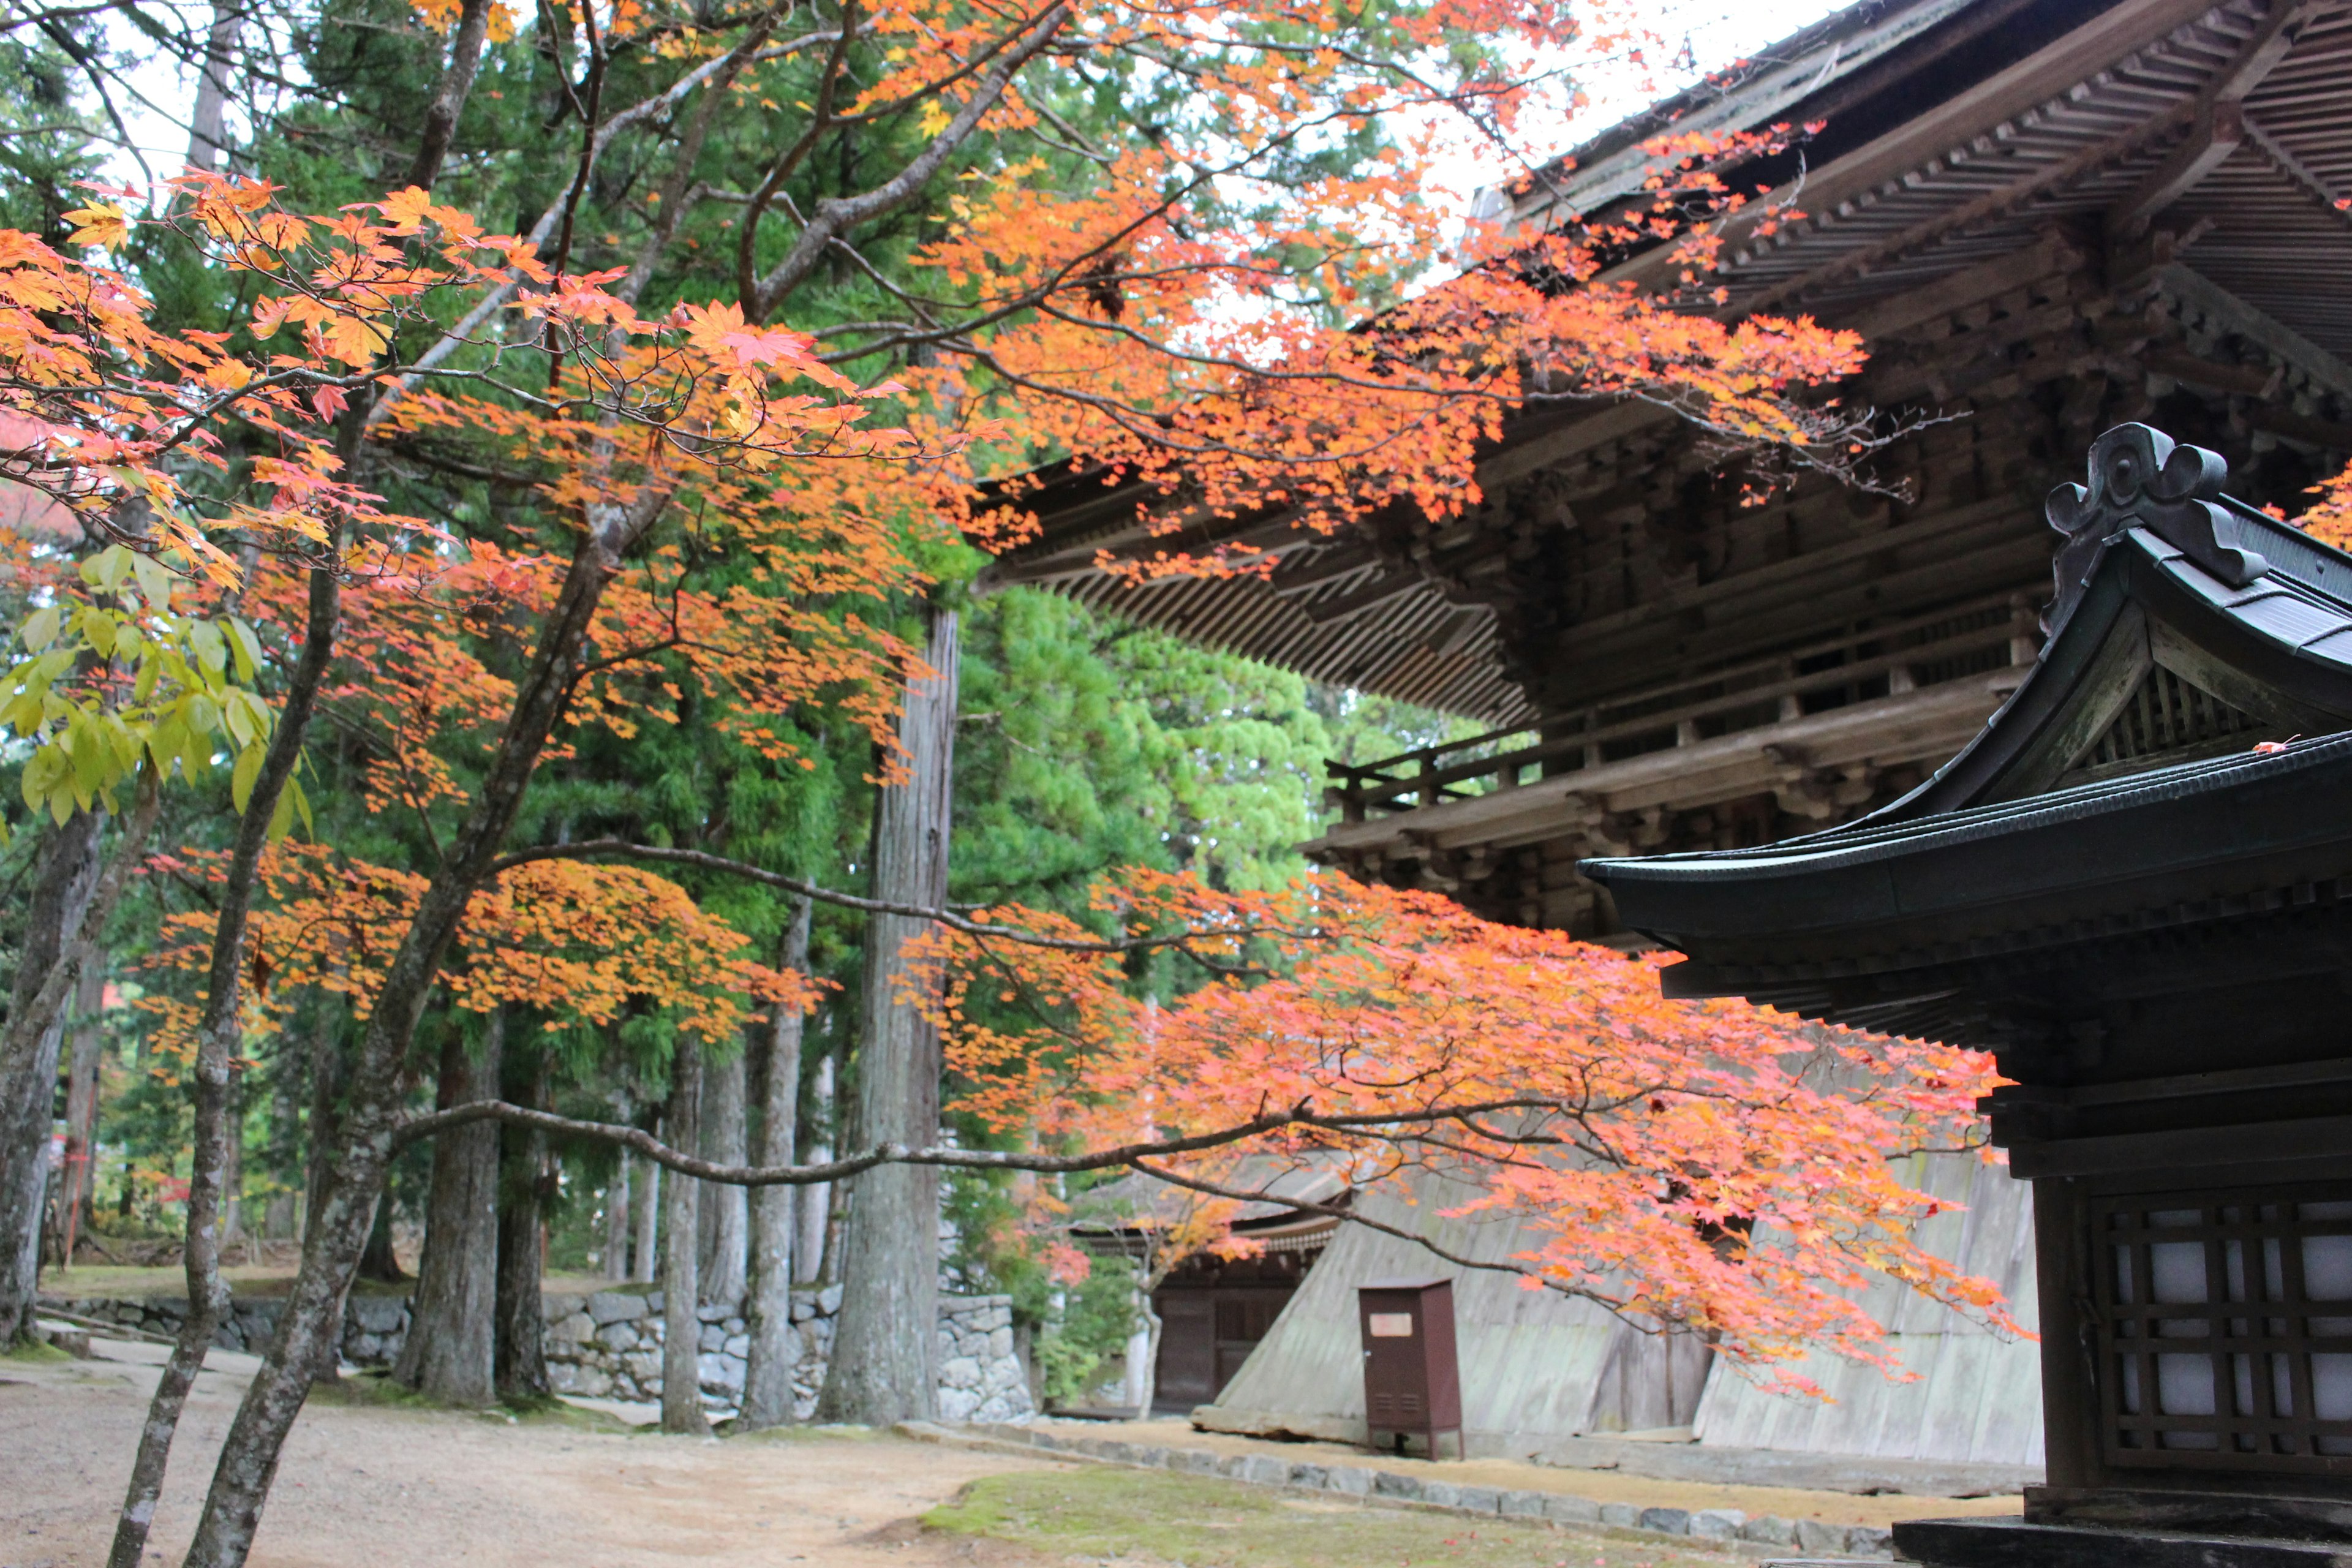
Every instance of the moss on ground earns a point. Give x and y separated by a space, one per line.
33 1352
801 1432
1201 1522
377 1389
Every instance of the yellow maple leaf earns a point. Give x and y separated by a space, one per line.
101 223
352 340
932 118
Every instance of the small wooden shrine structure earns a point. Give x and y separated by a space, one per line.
2135 886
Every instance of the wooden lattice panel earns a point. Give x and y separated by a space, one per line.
2225 1329
2167 720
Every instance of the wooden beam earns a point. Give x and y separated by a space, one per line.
2215 134
2265 50
2251 381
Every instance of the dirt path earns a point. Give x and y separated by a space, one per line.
373 1487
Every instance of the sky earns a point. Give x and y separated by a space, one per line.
1718 33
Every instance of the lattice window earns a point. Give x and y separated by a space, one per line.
2225 1329
2166 714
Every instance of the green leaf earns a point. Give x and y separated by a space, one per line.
212 648
256 711
247 647
98 629
155 581
41 630
165 740
105 569
240 781
239 722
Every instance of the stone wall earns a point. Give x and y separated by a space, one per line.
609 1345
373 1326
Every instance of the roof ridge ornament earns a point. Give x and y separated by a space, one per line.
2141 478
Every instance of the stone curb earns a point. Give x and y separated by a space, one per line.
1727 1525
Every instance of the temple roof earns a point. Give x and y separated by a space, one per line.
2145 777
1953 133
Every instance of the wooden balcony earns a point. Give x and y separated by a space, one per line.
1814 729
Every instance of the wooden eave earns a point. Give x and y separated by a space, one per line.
1998 865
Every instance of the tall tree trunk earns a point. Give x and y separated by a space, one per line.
725 1213
208 123
615 1261
813 1205
645 1266
288 1073
768 1374
448 1355
886 1345
681 1399
522 1195
88 1056
64 880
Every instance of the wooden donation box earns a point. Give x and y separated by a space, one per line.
1412 1384
2135 886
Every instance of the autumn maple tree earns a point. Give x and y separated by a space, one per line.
1714 1167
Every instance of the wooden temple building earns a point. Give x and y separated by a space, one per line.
2146 911
2047 218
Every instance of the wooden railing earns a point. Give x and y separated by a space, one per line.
1950 644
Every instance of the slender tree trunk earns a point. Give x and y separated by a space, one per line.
356 1166
645 1266
448 1355
522 1195
768 1374
326 1074
813 1205
66 879
884 1348
232 1222
219 1032
615 1261
77 1205
725 1211
681 1400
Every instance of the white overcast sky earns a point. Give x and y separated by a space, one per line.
1719 33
